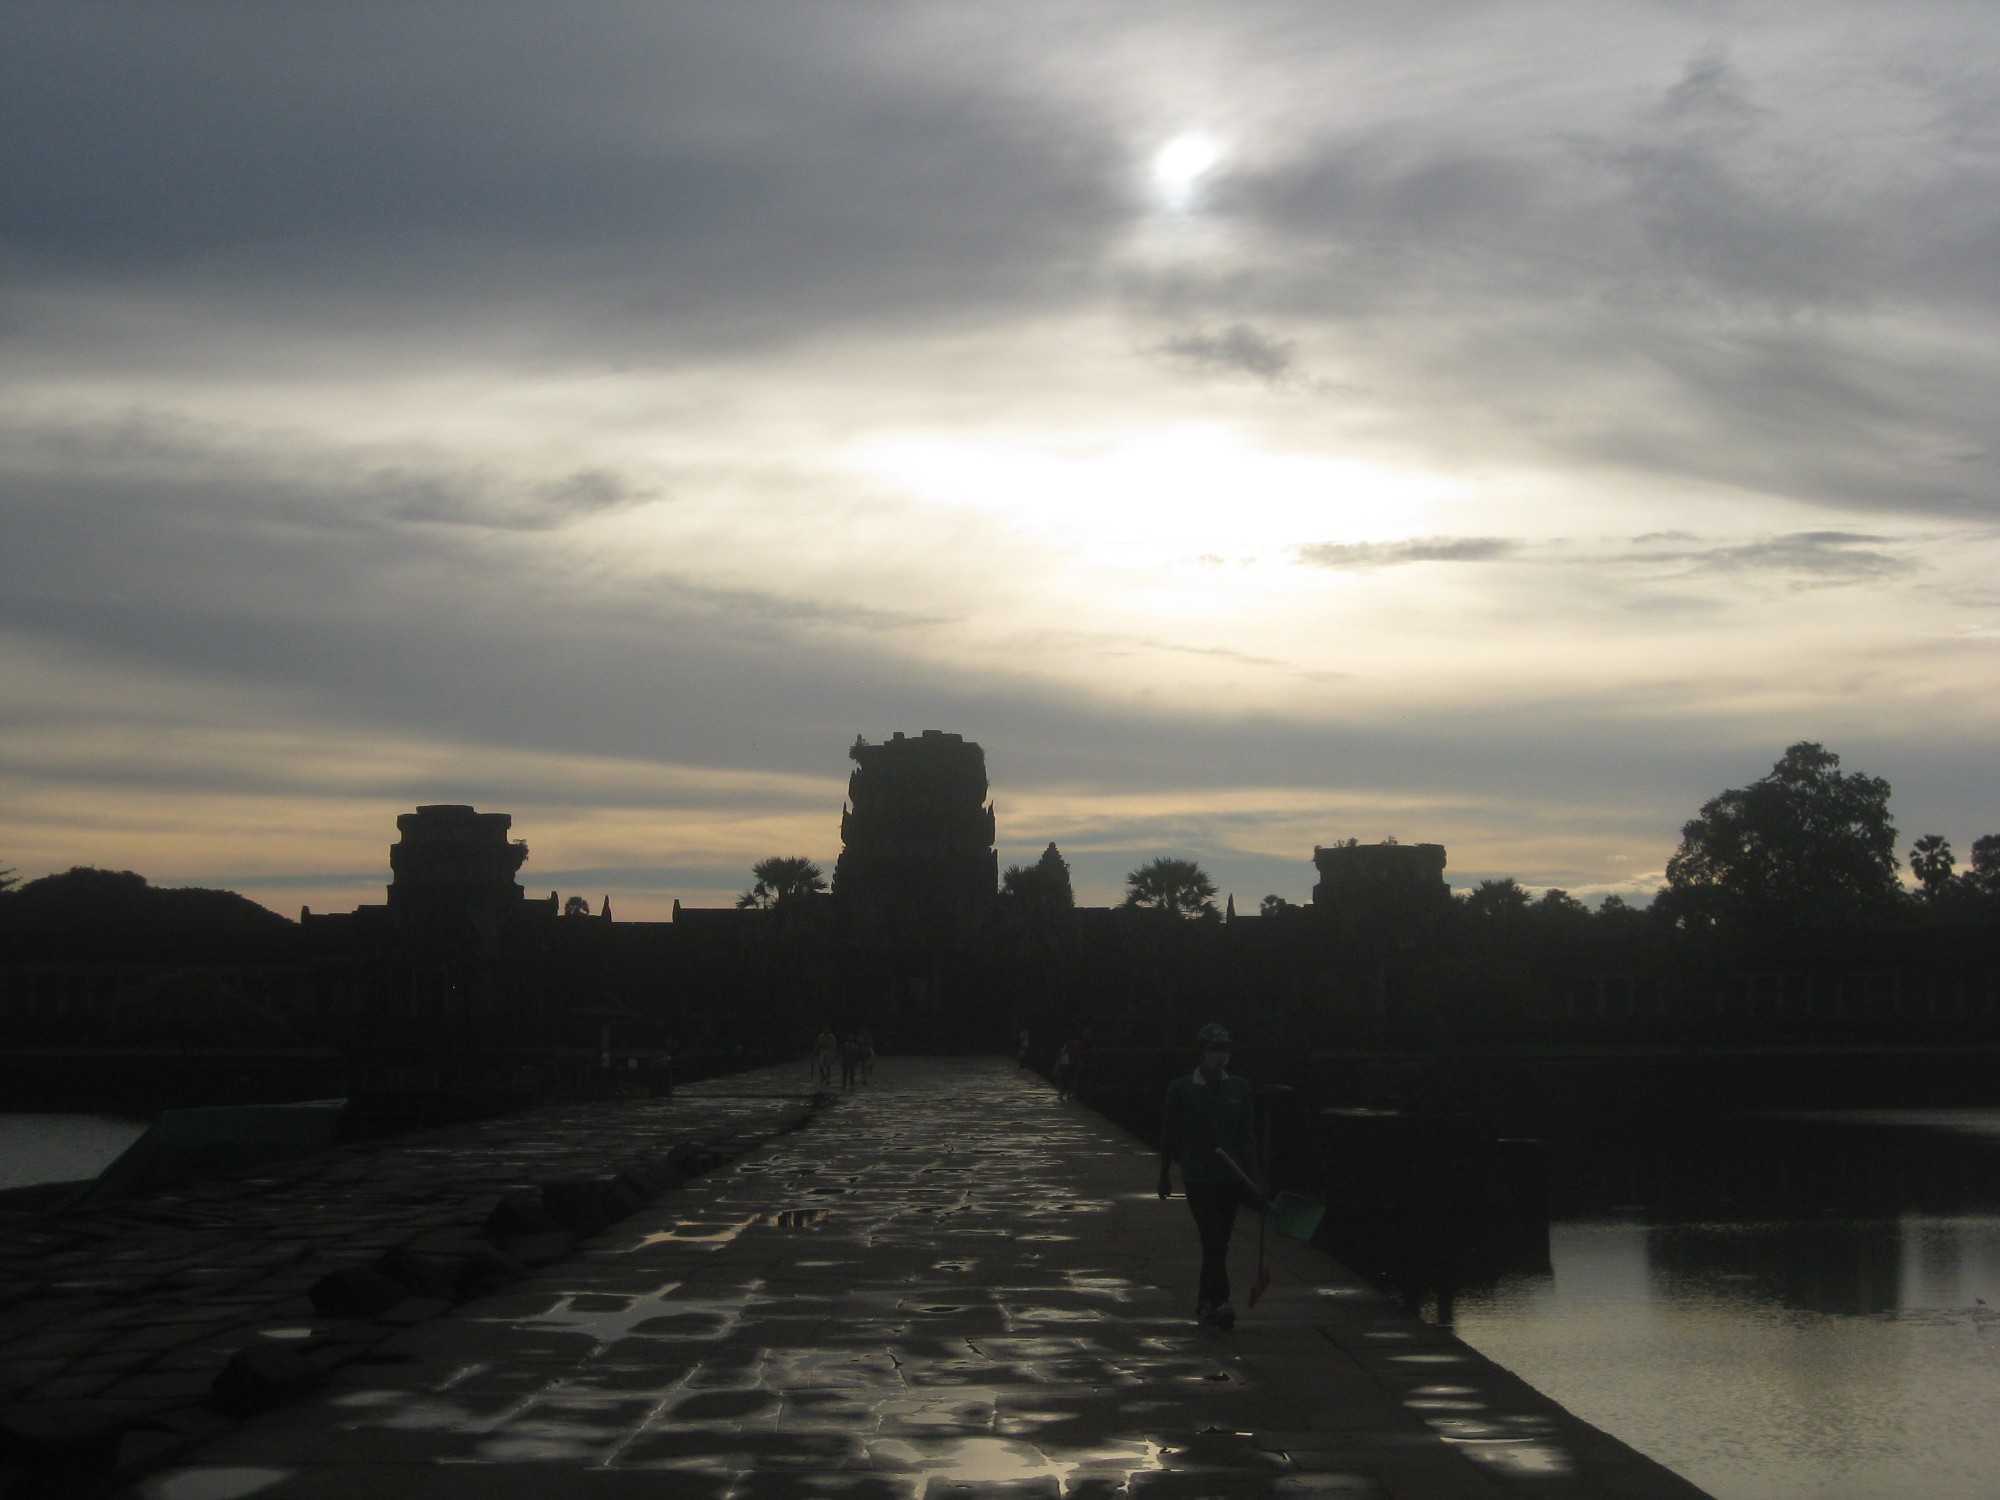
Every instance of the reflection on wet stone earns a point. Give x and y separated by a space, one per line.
988 1311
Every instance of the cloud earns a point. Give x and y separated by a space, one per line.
488 370
489 500
1367 556
644 185
1710 89
1238 349
1811 558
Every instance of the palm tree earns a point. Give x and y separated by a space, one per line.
1179 887
781 880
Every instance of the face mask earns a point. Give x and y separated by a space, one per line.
1214 1062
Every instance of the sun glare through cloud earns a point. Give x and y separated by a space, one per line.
1186 494
1182 165
1599 387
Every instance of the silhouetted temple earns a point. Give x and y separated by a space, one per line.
452 862
917 866
1394 888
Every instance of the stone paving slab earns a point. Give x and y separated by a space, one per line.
115 1322
951 1286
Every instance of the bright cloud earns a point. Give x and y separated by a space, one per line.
1244 421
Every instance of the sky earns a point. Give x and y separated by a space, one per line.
1496 425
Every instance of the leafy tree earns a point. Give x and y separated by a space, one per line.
1557 910
1807 845
1270 906
84 899
1931 861
1038 911
782 880
1042 887
1984 876
1497 900
1178 887
576 906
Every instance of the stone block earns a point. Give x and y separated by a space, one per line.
622 1201
638 1182
518 1214
356 1292
259 1377
689 1158
486 1270
414 1310
577 1204
537 1250
420 1274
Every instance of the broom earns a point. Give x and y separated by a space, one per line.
1262 1281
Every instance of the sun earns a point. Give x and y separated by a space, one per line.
1179 167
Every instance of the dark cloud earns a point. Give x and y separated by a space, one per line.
491 501
1356 557
1238 349
634 182
1809 557
1708 283
1710 90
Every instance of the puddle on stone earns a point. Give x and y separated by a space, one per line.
219 1482
795 1218
1516 1457
707 1236
986 1460
685 1317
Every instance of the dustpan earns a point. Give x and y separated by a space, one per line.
1296 1216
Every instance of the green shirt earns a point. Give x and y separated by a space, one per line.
1201 1117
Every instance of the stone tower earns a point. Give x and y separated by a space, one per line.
917 868
455 865
1393 890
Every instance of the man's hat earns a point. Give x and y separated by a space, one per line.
1213 1033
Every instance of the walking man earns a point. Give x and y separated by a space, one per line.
1210 1114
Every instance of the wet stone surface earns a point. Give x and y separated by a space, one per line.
122 1318
950 1286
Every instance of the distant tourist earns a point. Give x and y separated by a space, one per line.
1021 1052
867 1040
1210 1129
1068 1062
850 1061
823 1051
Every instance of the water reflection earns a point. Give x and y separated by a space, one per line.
41 1148
1782 1308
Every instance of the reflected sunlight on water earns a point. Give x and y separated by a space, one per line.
1774 1358
61 1148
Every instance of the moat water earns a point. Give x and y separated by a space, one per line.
60 1148
1776 1307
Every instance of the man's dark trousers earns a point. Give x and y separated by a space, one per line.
1213 1205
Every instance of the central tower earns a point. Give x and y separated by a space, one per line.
917 871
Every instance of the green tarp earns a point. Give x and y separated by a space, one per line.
215 1142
